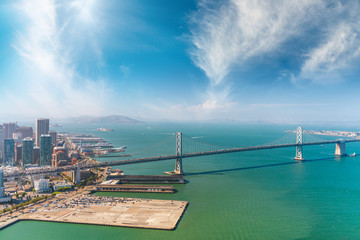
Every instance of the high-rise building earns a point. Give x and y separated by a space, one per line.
1 142
36 155
18 153
1 178
53 137
9 129
9 152
27 151
45 150
2 189
42 127
25 132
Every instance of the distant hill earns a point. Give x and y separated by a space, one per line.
112 119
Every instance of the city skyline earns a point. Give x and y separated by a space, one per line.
189 60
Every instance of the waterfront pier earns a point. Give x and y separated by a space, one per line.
113 211
135 188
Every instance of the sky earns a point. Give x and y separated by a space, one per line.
181 60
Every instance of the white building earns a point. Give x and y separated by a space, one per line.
41 185
57 185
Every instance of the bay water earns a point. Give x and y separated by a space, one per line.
250 195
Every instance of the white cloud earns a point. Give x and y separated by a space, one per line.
235 111
227 34
339 48
184 112
211 105
51 52
125 70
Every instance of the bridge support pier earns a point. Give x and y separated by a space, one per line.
178 162
340 149
299 140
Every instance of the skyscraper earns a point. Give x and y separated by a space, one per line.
25 132
1 178
42 127
18 153
2 189
53 137
36 155
9 152
45 150
9 129
1 142
27 151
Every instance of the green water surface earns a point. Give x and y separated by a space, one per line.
250 195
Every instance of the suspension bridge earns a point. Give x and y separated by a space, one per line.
180 154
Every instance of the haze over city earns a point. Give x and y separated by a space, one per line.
180 60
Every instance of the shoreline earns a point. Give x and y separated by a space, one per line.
84 208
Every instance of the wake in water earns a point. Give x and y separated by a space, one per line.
198 137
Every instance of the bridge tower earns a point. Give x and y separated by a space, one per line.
340 149
178 162
299 140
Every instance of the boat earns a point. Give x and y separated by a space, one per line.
353 154
105 129
120 148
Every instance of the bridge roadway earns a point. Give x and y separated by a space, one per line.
169 157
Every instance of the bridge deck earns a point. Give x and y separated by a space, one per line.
170 157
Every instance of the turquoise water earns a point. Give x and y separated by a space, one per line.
249 195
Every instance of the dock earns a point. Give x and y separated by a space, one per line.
149 178
135 188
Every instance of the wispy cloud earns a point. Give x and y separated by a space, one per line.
180 112
51 43
339 48
125 70
228 33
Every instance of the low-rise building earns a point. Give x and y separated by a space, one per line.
63 184
41 185
74 154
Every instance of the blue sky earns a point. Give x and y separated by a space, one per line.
185 60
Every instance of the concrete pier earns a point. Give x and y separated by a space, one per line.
135 188
111 211
149 179
340 149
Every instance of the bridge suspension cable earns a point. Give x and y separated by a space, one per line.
164 147
187 147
